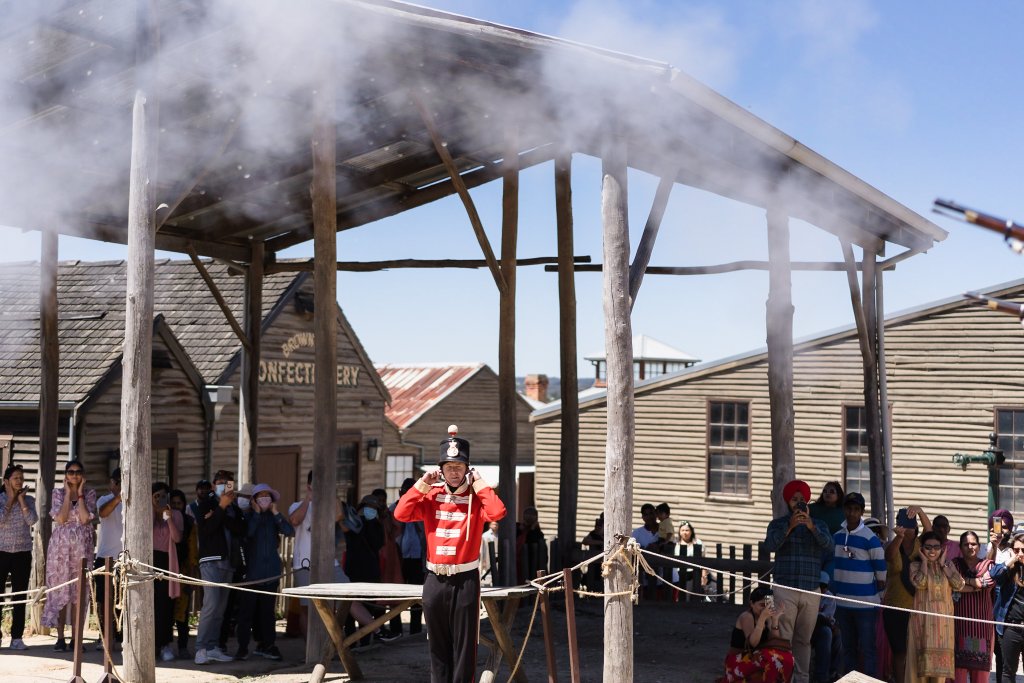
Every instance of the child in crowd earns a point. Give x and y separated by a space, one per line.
666 527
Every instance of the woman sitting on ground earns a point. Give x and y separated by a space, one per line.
757 651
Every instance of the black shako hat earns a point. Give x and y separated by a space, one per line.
454 449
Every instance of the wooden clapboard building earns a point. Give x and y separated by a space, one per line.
703 441
195 360
426 398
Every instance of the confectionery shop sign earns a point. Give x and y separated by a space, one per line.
298 371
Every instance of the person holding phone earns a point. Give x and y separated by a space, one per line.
17 515
930 637
455 504
168 526
801 545
73 508
757 651
219 520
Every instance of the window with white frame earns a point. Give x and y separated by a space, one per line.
856 472
398 468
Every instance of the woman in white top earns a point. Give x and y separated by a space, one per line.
687 546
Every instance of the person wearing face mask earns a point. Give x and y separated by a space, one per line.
264 528
455 504
218 518
168 527
362 546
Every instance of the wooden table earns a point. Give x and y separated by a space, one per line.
501 605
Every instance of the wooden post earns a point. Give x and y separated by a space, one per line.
887 464
136 492
570 625
868 358
108 620
325 329
78 625
779 324
549 642
249 387
872 405
49 374
618 472
507 397
569 457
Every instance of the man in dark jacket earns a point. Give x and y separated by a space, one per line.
362 547
217 518
264 528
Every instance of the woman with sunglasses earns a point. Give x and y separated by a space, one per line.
829 506
17 515
930 638
974 639
73 508
1008 577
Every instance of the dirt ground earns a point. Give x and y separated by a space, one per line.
673 643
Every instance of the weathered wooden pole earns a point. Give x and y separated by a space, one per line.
618 469
507 398
325 329
136 492
49 375
569 456
249 387
887 464
872 404
779 325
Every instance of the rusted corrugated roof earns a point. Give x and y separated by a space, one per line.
415 389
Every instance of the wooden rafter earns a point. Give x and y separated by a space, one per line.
205 274
646 246
462 190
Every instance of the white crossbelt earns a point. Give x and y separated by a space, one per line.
452 569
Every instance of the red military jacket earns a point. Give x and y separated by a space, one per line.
453 522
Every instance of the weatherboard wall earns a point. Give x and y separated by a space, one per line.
948 370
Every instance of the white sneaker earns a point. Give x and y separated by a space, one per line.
167 654
215 654
18 644
201 657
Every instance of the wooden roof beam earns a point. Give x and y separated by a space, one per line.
463 192
734 266
212 286
389 206
373 266
643 250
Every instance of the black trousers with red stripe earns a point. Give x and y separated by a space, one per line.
451 610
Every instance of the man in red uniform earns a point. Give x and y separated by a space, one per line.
455 504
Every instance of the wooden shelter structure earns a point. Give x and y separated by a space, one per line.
238 129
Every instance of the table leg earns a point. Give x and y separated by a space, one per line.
500 620
331 623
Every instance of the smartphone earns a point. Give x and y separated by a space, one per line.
997 525
229 486
801 506
769 601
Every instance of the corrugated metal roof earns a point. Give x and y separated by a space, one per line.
415 389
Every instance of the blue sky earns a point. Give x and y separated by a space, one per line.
921 100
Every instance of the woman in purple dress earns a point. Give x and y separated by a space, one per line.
72 540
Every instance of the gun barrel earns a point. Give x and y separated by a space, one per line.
1000 305
1004 227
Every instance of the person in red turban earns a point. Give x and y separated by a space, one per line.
801 545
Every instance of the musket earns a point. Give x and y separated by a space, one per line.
1012 232
1001 305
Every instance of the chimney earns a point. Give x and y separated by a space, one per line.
537 388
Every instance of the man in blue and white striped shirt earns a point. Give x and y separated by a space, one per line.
859 575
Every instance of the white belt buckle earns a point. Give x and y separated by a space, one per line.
445 569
